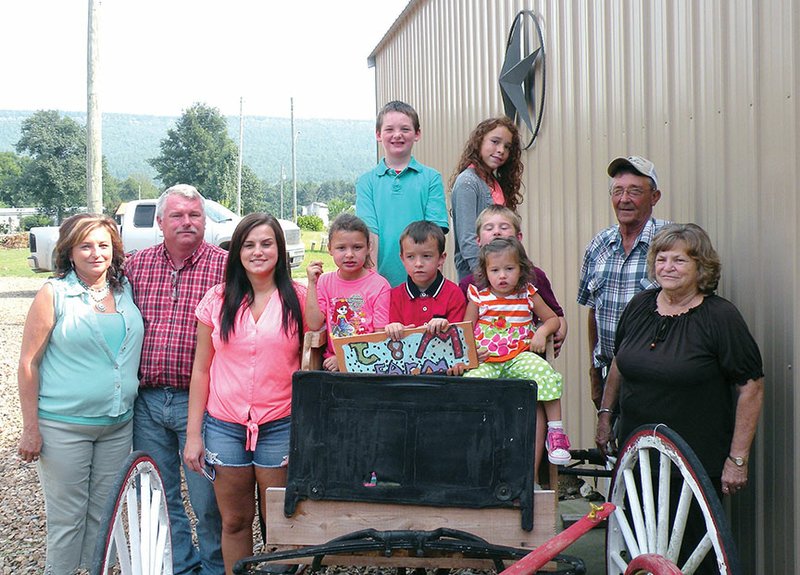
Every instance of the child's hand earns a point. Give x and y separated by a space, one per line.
558 341
437 324
330 364
538 343
395 330
457 369
314 270
483 355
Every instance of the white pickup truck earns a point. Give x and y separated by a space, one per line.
139 229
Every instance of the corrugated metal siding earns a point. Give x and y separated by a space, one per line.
708 91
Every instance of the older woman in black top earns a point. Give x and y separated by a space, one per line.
685 358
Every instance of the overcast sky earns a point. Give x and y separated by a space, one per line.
160 56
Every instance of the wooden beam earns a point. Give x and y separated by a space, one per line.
317 522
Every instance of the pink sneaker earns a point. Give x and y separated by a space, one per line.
557 444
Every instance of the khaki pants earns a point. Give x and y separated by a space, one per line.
77 468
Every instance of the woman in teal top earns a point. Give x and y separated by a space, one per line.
77 384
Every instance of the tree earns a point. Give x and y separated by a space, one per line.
310 222
110 192
341 189
337 205
198 151
11 169
55 178
253 198
137 186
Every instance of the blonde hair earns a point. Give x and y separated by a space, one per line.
498 210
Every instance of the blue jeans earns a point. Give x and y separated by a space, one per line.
159 428
225 443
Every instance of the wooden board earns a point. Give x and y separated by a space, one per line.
313 346
317 522
417 352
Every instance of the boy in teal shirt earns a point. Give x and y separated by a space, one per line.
398 191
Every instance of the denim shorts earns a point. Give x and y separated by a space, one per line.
225 443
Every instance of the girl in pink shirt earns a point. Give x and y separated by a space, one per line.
249 342
352 300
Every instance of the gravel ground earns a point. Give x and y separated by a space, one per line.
22 518
22 525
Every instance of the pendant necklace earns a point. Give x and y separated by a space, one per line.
97 295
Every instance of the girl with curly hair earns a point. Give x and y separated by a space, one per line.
489 172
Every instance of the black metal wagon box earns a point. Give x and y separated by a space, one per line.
425 440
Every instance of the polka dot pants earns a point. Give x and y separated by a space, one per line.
528 366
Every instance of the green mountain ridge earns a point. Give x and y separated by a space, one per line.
326 149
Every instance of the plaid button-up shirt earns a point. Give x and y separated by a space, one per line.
167 298
610 279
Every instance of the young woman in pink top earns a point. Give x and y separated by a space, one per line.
249 341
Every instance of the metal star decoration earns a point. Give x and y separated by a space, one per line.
524 63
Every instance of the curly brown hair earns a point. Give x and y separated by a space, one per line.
509 175
74 230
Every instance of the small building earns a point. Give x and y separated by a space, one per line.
10 218
319 209
708 90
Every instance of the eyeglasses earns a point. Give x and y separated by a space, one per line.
173 281
209 472
632 192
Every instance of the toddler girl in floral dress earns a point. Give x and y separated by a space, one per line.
507 340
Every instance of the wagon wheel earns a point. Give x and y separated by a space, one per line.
134 529
642 523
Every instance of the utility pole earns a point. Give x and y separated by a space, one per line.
294 162
94 117
241 153
283 178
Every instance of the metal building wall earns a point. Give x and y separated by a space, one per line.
706 89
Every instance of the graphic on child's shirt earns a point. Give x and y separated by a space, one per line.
347 316
500 338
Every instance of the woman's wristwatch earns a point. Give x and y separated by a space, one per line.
738 461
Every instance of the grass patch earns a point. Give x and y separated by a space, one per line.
314 254
14 263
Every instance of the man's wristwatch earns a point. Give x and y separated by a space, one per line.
738 461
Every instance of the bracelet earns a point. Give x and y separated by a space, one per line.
604 410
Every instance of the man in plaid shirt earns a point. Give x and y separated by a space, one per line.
615 262
168 281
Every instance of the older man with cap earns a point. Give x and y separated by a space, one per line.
615 262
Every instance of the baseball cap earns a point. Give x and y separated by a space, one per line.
639 164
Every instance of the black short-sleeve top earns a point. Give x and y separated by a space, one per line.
680 370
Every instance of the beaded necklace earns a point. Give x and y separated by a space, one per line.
96 295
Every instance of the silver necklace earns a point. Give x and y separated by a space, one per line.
96 295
